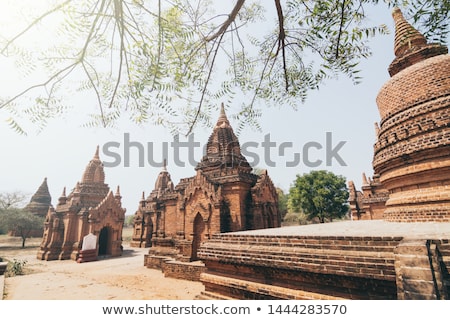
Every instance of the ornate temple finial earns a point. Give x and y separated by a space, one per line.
143 196
223 120
377 130
410 46
96 155
406 36
63 198
117 195
94 172
365 182
165 165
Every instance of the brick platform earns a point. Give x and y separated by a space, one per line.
342 260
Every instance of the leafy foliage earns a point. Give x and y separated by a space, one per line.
21 222
282 202
9 200
172 62
320 194
15 268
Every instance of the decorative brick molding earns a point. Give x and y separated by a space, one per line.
412 150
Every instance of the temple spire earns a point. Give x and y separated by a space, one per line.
223 120
94 172
63 198
96 155
406 36
410 46
365 182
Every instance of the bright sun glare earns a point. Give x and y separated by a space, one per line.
16 16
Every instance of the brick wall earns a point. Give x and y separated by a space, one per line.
297 267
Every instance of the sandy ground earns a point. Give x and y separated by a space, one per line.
121 278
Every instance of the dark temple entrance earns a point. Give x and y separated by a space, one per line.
104 247
199 229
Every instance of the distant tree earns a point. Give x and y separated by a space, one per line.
21 222
129 221
320 194
282 202
9 200
295 218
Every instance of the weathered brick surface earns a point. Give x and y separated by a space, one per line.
416 277
323 267
183 270
413 141
339 267
223 196
90 208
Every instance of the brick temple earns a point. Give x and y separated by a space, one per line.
399 245
370 203
223 196
39 203
90 209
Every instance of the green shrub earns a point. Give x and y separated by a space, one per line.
15 268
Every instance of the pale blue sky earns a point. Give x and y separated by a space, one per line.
63 149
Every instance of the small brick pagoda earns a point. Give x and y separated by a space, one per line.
223 196
90 209
39 204
370 203
40 201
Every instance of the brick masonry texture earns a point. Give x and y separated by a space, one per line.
411 154
223 196
306 263
91 208
375 259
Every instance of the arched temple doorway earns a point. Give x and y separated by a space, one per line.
104 243
199 229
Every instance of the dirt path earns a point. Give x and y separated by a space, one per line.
122 278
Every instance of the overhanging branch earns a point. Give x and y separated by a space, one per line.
228 22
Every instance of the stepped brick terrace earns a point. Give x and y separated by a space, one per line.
342 260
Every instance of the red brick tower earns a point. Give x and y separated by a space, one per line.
412 151
224 163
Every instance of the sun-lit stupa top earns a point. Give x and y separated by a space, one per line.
223 148
94 170
410 46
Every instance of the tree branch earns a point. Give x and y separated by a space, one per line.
228 22
341 26
281 41
31 25
191 127
43 84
